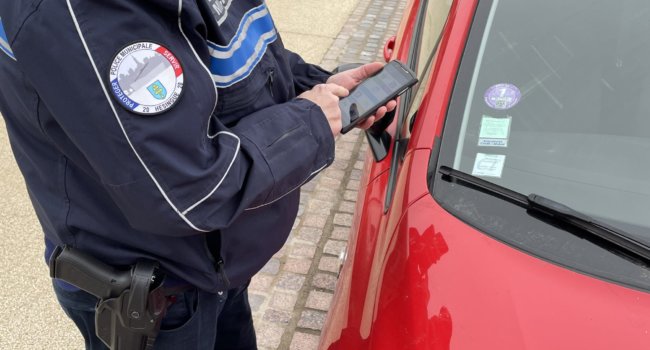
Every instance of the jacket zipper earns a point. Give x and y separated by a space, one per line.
270 79
221 269
271 74
217 261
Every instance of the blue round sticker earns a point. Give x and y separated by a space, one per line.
502 96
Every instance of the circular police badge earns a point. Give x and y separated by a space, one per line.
146 78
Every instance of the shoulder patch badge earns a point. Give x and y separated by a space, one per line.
146 78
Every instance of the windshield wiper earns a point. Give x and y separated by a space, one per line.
557 211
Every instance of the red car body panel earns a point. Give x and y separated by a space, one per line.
439 284
417 277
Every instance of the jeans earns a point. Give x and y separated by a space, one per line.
197 320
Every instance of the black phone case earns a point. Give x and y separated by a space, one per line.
398 91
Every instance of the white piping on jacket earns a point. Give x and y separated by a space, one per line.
110 102
216 94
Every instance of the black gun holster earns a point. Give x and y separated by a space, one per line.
131 303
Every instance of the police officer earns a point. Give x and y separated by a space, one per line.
173 130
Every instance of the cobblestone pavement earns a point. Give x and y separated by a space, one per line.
291 295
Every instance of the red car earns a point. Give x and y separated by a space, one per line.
507 205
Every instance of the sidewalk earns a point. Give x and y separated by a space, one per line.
291 295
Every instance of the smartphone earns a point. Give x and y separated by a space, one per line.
364 100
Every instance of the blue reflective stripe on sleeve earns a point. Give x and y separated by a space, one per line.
234 62
4 42
250 16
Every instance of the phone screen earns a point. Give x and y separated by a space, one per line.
390 81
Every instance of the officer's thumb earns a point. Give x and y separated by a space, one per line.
337 90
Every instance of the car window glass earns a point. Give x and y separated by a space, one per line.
434 21
552 98
436 15
561 110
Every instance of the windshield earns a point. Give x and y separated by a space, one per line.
559 105
553 97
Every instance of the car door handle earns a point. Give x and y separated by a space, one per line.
388 48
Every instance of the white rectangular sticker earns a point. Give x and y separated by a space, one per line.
494 131
489 165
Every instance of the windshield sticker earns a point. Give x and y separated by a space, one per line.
490 165
494 131
502 96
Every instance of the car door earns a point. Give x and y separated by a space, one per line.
381 196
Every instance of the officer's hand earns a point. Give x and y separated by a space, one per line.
326 96
349 79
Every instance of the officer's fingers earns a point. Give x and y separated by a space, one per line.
366 123
391 105
367 70
381 112
337 90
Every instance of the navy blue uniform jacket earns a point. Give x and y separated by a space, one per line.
226 159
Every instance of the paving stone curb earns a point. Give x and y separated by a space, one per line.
291 295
